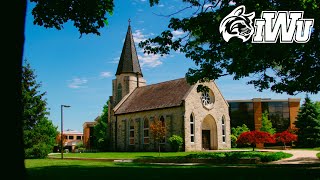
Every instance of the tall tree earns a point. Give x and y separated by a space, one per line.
308 125
93 17
39 132
266 124
100 129
286 67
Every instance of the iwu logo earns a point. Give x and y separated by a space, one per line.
289 26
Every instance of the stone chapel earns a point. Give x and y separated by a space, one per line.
201 119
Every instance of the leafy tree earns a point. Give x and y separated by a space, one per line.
48 14
158 131
308 125
266 124
281 67
285 137
235 133
255 137
39 132
100 129
58 140
175 142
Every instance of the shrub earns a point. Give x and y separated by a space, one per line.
285 137
239 130
232 156
175 142
255 137
233 141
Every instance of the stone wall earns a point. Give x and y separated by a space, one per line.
174 125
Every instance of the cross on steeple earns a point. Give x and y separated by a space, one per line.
129 21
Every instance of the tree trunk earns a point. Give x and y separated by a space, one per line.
14 27
159 148
253 145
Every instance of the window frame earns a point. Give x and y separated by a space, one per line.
131 130
146 129
192 128
223 126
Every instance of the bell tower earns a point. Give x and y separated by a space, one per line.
128 75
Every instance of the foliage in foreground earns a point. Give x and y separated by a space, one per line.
280 67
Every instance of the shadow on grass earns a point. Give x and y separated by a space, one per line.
151 171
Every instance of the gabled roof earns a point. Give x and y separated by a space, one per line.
129 62
155 96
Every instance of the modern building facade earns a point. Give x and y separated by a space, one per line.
282 112
88 136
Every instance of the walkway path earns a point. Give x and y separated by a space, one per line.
299 157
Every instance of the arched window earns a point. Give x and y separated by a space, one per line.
191 128
146 131
131 132
119 92
223 123
163 140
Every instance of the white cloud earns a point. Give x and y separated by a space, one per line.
207 5
105 74
176 34
115 60
140 10
78 83
232 3
150 60
143 0
161 5
138 36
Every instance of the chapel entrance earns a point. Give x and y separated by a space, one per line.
206 139
209 133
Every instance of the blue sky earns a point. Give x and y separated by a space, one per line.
78 71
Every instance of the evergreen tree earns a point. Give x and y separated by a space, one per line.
39 132
100 129
267 124
308 125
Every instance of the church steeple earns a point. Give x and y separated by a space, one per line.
129 62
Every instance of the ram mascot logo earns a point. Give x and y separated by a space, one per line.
237 24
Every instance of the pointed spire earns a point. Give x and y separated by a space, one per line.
129 62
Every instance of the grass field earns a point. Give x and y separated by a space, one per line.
81 169
123 155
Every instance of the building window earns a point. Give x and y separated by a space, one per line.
131 132
78 137
278 114
146 131
223 129
163 140
70 137
119 93
241 113
191 128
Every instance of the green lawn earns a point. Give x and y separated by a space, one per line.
80 169
123 155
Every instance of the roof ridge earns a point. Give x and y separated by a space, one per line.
161 82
